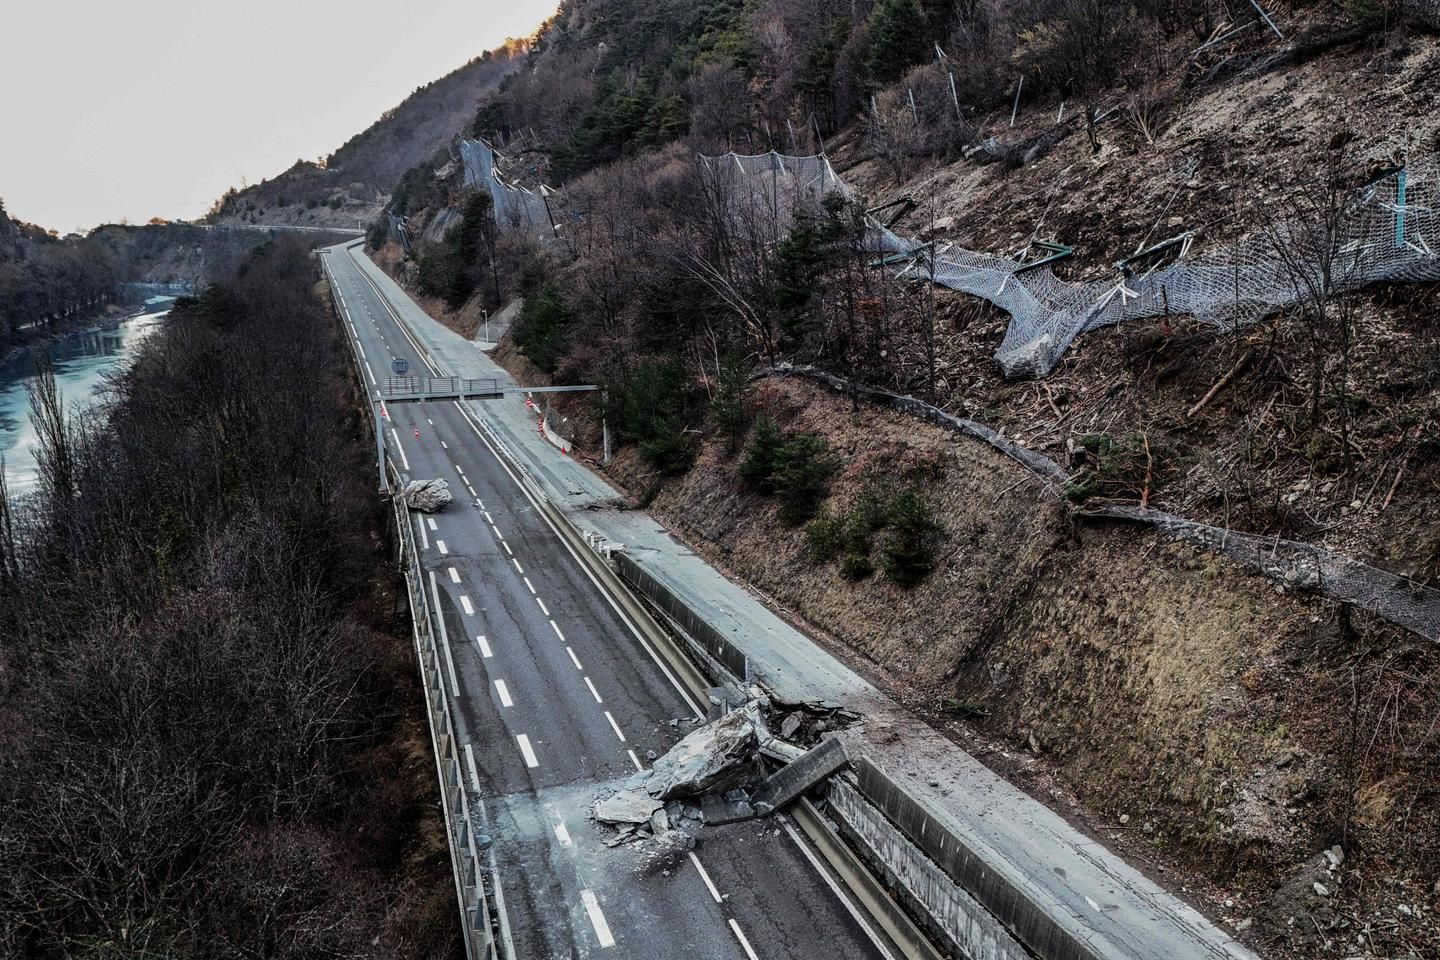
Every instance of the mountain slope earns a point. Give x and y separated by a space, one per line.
355 181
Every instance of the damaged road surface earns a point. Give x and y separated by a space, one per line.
556 703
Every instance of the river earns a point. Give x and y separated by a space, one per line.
82 362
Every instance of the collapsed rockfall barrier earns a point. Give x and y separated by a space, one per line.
1299 566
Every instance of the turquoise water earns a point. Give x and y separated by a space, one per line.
82 364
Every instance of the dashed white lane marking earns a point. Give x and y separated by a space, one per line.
440 545
400 449
563 835
484 646
424 537
597 920
498 534
468 487
518 569
543 608
481 502
740 935
574 659
709 884
507 548
526 750
370 372
504 692
454 575
528 584
635 760
460 470
429 421
593 692
430 522
444 445
614 726
465 602
488 518
444 640
556 627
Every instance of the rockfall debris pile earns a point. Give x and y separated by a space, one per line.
716 775
427 496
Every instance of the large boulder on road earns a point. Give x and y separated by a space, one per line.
717 756
427 496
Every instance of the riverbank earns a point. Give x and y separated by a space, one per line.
91 324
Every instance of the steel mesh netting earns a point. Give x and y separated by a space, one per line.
1388 231
517 208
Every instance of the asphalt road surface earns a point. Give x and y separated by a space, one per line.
554 698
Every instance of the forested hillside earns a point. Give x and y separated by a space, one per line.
51 284
1235 728
210 742
355 181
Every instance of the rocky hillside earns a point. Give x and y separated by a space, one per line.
1269 751
356 180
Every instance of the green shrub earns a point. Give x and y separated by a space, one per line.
668 449
908 555
758 467
856 566
803 464
824 537
730 405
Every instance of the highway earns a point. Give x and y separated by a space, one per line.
555 697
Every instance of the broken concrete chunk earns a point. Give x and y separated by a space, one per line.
716 756
427 496
627 805
659 821
716 810
790 726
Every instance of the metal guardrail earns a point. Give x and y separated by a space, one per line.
472 893
477 922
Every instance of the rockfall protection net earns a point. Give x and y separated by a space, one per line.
1388 230
517 209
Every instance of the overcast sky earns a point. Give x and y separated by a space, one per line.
142 108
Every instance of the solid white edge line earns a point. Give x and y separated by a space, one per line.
504 692
855 912
614 726
444 639
424 537
740 935
400 449
593 692
527 751
597 920
709 884
470 764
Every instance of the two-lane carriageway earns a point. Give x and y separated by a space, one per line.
556 698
